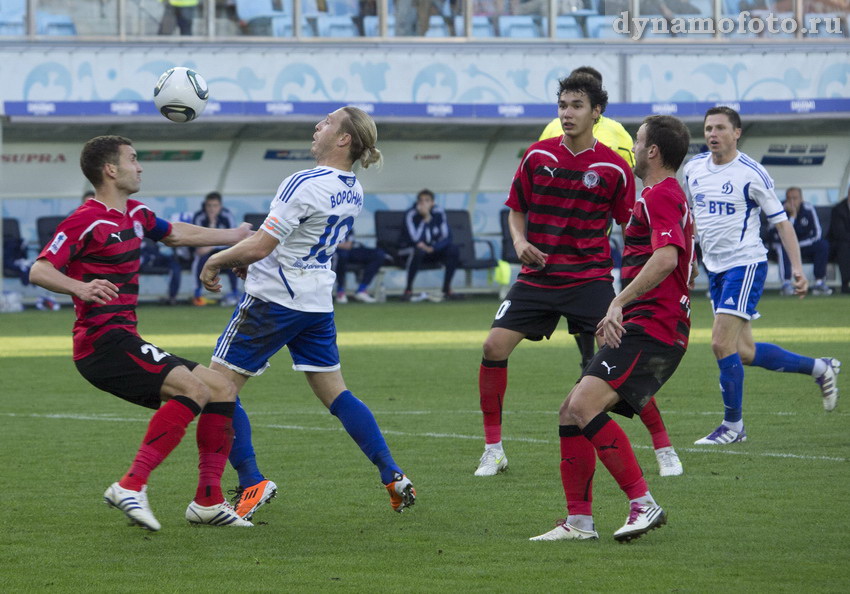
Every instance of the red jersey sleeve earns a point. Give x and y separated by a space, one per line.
521 187
624 199
66 241
666 213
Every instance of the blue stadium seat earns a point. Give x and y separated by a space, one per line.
248 10
566 27
819 30
54 24
11 26
343 8
370 26
518 27
336 26
437 27
282 27
706 7
602 27
482 26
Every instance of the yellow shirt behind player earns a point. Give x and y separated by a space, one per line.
607 131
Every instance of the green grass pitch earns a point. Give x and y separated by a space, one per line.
770 515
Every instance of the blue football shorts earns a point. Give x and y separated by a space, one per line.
259 329
737 291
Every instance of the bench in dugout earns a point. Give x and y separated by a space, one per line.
389 231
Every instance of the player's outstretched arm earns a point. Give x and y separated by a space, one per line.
186 234
792 247
243 254
99 290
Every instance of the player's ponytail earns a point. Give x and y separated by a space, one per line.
364 135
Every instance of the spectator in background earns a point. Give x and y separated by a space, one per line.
353 252
178 13
813 246
213 216
428 239
88 194
839 239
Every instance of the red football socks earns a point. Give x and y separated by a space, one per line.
165 430
492 382
578 465
651 417
215 438
614 449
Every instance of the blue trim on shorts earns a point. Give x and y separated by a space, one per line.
258 329
737 291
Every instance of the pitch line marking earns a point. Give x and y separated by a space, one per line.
434 435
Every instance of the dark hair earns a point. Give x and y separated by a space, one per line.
212 196
587 84
671 136
588 70
99 151
425 191
730 113
88 194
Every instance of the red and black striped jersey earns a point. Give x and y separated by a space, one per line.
100 242
661 217
569 201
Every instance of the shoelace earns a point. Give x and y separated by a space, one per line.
636 510
237 495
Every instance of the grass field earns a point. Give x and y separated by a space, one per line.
770 515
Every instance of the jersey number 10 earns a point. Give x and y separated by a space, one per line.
335 232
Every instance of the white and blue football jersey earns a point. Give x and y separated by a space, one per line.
311 214
727 200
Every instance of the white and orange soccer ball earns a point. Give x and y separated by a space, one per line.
181 94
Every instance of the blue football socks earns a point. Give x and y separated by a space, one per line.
361 425
242 453
732 386
774 358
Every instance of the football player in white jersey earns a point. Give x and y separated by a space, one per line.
288 299
727 189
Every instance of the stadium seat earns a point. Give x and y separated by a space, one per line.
820 30
508 251
602 27
281 26
10 26
255 218
706 7
370 26
54 24
437 27
482 26
336 26
460 224
343 8
260 15
11 239
518 27
46 227
566 27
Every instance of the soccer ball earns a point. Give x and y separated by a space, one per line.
181 94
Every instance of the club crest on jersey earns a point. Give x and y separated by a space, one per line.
137 227
727 188
348 180
57 242
590 179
